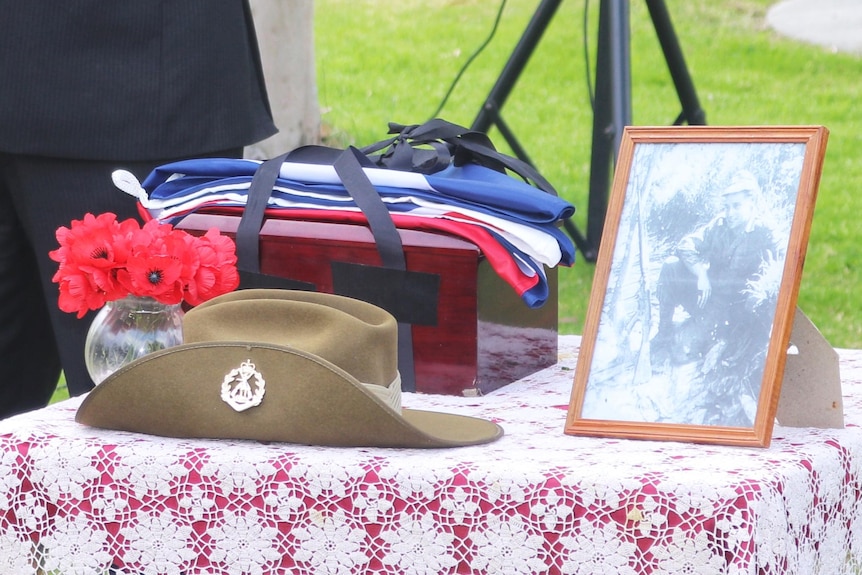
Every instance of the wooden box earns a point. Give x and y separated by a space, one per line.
482 335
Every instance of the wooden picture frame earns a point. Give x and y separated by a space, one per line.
696 283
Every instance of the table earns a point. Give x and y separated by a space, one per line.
76 499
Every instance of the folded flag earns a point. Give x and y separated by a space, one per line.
514 224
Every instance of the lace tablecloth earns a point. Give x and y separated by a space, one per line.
75 500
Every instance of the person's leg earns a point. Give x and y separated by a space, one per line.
52 193
29 361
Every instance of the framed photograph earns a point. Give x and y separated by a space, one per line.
696 283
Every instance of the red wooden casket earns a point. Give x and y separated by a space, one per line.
484 335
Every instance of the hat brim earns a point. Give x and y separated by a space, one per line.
177 393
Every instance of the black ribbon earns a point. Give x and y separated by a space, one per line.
425 148
430 147
411 297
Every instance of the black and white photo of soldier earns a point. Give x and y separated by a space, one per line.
709 316
697 265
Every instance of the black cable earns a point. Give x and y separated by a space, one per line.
587 56
470 60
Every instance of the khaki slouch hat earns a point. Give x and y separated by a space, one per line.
278 365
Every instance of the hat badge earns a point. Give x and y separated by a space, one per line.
243 387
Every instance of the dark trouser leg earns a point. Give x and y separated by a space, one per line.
48 193
29 361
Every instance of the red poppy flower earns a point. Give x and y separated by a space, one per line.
78 294
103 260
216 271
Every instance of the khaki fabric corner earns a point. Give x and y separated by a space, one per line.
323 360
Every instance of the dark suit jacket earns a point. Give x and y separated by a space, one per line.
129 79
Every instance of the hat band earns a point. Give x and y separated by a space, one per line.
389 394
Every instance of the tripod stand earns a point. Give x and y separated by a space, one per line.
612 111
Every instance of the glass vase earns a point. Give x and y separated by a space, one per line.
127 329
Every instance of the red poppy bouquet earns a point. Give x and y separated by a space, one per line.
103 260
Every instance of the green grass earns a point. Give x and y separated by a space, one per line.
61 392
393 61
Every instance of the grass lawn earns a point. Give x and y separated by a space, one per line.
381 62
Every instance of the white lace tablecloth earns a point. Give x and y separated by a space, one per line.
75 500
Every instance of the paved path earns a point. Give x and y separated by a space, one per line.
834 24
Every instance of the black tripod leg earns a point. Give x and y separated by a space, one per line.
692 113
611 114
489 115
612 101
490 112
